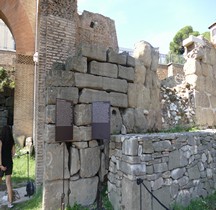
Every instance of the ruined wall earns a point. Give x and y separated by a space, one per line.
95 73
200 72
95 28
175 167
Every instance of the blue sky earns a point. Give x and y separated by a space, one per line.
155 21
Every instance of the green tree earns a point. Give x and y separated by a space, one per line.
5 80
184 33
206 35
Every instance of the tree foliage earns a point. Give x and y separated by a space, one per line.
184 33
5 80
206 35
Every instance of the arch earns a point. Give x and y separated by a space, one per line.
14 15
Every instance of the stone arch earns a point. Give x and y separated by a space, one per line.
19 16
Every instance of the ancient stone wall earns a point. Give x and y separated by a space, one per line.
175 167
8 59
95 73
200 72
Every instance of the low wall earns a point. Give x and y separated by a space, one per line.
175 167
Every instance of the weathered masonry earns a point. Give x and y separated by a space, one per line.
95 73
175 167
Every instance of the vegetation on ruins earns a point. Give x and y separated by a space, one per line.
5 80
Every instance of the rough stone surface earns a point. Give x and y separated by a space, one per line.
90 161
83 191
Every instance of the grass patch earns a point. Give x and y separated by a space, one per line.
180 129
208 203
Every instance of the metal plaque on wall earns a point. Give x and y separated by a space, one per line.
101 120
64 120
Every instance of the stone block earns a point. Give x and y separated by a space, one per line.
193 172
162 146
163 194
178 173
82 114
76 63
160 167
93 52
128 119
60 78
82 133
202 99
52 194
132 200
80 144
75 161
130 61
116 121
54 162
118 85
118 99
88 81
130 147
141 123
50 114
102 171
83 191
68 93
143 51
89 95
126 73
49 133
90 161
133 169
104 69
114 57
147 146
140 73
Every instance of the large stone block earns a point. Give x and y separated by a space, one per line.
141 123
82 133
50 114
202 99
114 57
54 160
118 99
82 114
90 161
76 63
130 61
53 192
128 120
60 78
143 51
68 93
104 69
49 133
138 96
140 72
133 169
75 161
83 191
126 73
118 85
130 147
88 96
116 121
132 201
163 194
88 81
93 52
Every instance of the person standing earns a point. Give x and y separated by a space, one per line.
7 151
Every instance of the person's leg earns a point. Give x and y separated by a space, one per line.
9 188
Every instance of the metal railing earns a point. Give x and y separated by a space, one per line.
171 58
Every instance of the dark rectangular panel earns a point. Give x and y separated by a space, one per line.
64 120
101 120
